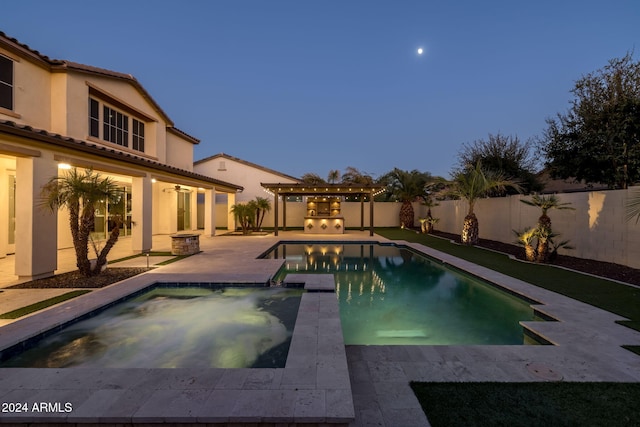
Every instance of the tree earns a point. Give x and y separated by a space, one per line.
245 215
471 184
311 178
598 139
505 155
354 176
543 231
334 176
79 192
406 187
262 205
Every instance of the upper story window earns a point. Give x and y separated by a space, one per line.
115 126
6 83
138 135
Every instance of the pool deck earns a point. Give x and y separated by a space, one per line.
324 382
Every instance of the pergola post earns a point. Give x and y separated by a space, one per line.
275 212
371 213
361 212
284 212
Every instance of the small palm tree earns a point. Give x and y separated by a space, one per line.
79 192
245 214
526 238
262 206
544 229
472 184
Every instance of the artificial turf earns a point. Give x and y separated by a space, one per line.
41 305
529 404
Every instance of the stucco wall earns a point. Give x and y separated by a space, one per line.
597 228
32 93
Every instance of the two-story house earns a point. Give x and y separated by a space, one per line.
56 115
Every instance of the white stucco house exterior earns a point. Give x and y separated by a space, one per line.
244 173
57 114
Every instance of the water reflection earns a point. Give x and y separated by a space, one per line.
390 295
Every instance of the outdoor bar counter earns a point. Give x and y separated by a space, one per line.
322 224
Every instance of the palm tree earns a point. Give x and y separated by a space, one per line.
334 176
245 215
471 184
525 238
429 221
544 230
262 206
79 193
633 207
406 187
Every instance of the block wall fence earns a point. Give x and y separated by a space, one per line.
597 228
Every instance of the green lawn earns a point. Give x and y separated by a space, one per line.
530 404
611 296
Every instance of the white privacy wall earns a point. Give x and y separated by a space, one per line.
597 228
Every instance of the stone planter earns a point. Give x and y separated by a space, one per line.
185 244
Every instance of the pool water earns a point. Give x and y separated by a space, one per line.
390 295
177 327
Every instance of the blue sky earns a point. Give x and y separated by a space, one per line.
309 86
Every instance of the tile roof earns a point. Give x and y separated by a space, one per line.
60 65
25 131
245 162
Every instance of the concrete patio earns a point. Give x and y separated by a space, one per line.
329 384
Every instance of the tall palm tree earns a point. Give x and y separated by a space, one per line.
262 206
543 230
334 176
407 187
79 192
471 184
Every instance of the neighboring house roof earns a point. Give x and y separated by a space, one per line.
11 128
245 162
59 65
565 185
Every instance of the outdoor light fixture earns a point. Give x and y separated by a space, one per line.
64 166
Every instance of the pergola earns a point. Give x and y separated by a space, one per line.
286 190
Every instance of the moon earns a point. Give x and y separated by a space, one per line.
420 51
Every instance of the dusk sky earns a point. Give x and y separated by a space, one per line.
310 86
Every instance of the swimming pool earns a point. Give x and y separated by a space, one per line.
171 326
391 295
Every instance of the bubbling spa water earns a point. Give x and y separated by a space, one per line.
177 327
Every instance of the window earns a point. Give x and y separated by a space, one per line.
138 135
116 127
6 83
94 118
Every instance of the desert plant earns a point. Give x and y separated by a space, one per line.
564 244
471 184
543 229
79 192
526 238
262 206
245 214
